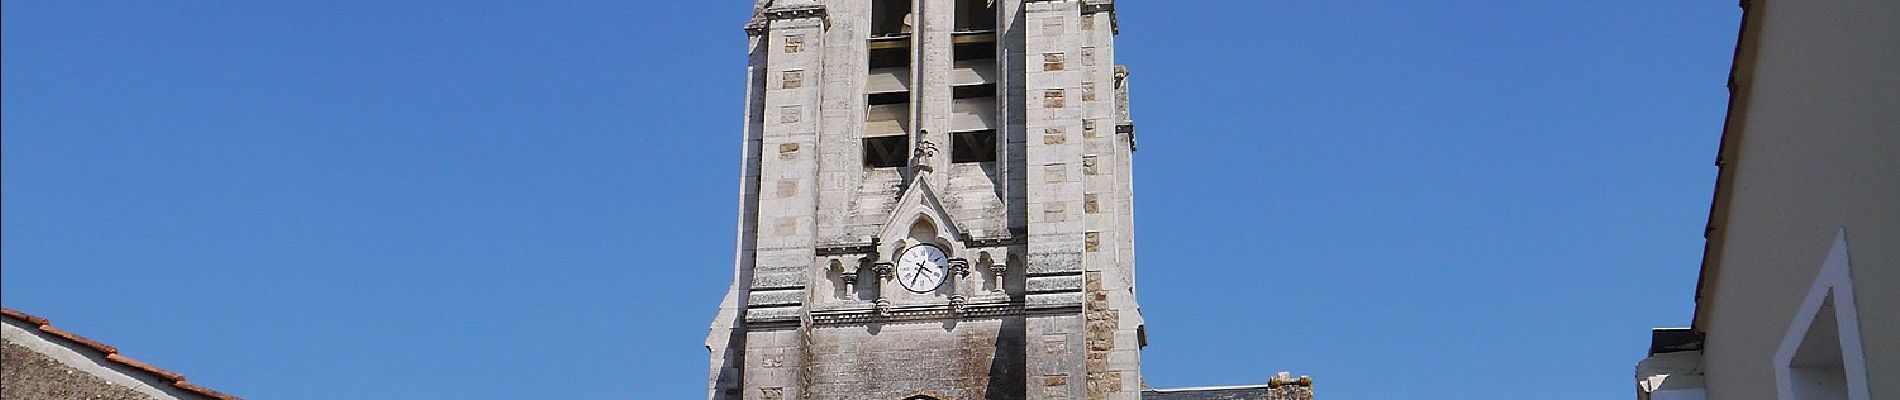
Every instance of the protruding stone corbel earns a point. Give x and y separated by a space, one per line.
882 307
957 302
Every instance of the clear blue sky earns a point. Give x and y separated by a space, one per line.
506 200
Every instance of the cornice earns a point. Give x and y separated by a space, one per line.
996 241
763 19
845 249
790 12
915 313
936 312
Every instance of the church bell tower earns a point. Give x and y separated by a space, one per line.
935 204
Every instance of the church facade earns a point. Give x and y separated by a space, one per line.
935 204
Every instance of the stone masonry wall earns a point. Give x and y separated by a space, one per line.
30 375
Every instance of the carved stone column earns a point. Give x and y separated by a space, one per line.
884 273
961 268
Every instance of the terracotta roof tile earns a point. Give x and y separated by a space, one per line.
75 338
148 368
112 354
29 318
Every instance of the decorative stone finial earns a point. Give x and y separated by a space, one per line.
1283 386
924 152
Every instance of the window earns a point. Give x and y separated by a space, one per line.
891 18
890 57
878 99
1088 128
973 91
1052 98
978 146
886 151
1088 91
974 51
976 15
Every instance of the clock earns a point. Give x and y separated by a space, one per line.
922 268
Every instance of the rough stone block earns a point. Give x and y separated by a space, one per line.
773 313
777 279
1056 260
776 297
1053 299
1053 283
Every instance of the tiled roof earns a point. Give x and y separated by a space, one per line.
112 354
1253 392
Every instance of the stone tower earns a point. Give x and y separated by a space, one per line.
935 204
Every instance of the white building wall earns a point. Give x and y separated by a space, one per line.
1818 118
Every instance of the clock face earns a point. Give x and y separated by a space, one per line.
922 268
